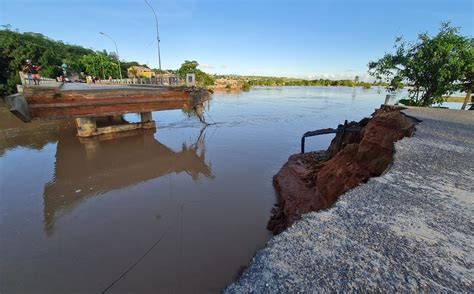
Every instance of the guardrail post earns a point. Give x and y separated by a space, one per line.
343 134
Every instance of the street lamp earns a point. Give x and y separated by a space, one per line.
157 35
116 50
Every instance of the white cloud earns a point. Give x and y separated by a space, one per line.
206 66
337 76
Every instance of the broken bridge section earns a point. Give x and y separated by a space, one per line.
87 102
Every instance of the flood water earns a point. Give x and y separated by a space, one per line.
179 210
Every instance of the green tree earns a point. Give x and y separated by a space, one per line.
133 72
16 47
99 65
467 84
246 86
432 67
202 78
366 85
188 67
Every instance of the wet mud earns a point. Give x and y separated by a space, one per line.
313 181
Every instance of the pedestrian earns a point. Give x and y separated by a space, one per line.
27 70
35 69
110 79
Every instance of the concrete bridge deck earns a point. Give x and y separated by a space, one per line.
409 230
85 102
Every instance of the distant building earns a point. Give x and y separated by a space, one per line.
140 72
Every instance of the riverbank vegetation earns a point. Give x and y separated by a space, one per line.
432 67
57 56
17 47
54 56
249 81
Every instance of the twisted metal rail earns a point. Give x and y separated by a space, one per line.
344 129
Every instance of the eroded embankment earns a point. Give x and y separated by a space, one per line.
313 181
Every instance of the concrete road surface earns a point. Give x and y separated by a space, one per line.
410 229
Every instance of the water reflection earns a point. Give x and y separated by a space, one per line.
15 134
211 227
86 167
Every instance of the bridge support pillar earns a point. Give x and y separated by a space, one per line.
146 117
86 126
147 120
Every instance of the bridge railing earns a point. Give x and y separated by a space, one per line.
27 80
166 81
163 81
344 129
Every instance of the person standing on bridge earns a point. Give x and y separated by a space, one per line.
27 70
35 73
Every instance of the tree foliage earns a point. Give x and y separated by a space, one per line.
16 47
99 65
432 67
269 82
202 78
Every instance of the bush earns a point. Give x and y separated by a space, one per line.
366 85
246 86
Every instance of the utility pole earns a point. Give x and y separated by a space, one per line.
157 35
116 51
102 63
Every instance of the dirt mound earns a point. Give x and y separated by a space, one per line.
313 181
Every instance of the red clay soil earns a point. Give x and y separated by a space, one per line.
313 181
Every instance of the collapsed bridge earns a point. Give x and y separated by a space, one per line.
85 103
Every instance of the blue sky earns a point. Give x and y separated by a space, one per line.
307 39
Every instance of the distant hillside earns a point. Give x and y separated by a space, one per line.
283 81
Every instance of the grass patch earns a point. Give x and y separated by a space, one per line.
455 99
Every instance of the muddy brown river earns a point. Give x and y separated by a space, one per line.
176 210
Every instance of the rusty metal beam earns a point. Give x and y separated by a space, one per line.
344 129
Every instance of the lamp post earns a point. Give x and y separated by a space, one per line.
157 35
116 50
102 64
93 68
